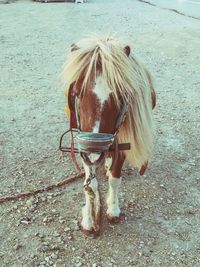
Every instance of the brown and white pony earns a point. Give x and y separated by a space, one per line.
103 71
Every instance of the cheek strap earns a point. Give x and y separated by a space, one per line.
77 114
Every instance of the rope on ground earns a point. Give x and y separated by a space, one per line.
42 190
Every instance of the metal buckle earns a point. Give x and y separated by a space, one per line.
63 148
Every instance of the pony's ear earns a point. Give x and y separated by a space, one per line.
127 50
74 47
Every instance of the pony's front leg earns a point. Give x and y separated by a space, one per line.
91 210
114 179
113 211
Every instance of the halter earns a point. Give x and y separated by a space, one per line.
100 143
88 142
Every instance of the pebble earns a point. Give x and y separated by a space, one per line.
45 219
43 198
61 220
57 194
42 264
44 248
54 256
191 210
32 208
24 222
40 235
76 227
67 229
30 202
141 244
56 234
112 260
79 264
32 256
47 259
55 247
60 239
17 246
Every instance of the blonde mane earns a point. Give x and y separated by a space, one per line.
126 76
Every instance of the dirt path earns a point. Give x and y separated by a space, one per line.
161 227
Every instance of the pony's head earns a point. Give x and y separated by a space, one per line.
94 68
104 74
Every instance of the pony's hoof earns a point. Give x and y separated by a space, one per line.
115 219
90 233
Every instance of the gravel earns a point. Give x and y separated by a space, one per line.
161 225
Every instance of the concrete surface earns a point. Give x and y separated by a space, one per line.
187 7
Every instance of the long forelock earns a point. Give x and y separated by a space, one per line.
124 75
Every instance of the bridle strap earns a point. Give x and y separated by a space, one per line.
77 114
121 116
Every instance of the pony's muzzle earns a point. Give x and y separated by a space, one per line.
94 142
97 143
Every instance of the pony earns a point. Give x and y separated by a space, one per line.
105 77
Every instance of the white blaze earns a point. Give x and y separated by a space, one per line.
102 91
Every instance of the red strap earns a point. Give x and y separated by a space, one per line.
143 168
73 124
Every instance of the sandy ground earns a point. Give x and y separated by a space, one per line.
161 227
